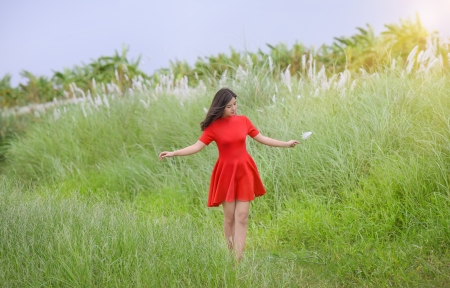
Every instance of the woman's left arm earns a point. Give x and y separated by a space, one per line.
273 142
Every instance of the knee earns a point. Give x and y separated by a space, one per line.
229 220
242 218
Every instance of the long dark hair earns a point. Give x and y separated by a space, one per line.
219 102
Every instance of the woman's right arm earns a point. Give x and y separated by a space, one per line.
199 145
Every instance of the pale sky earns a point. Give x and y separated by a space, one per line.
45 35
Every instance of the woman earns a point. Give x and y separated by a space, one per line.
235 180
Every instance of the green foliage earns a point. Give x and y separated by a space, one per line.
361 50
364 202
116 69
11 127
8 94
52 241
401 38
37 89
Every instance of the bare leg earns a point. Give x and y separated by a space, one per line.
228 223
240 234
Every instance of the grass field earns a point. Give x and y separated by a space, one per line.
364 202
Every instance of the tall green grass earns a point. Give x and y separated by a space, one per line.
49 241
363 202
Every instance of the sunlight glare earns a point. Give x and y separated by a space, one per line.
434 15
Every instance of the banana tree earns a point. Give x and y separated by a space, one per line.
8 94
37 89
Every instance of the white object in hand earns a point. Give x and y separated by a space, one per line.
306 135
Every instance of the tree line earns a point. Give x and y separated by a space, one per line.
363 50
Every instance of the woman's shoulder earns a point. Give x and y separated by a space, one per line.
242 117
212 126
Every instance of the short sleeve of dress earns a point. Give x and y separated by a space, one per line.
251 130
207 136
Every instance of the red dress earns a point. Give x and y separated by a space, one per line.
235 175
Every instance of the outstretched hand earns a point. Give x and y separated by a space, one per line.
165 154
292 143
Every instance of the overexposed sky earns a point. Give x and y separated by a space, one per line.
46 35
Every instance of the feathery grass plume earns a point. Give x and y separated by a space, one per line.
94 84
411 59
184 83
89 97
201 86
136 85
306 135
83 110
353 85
115 89
109 88
286 78
322 79
310 69
146 104
223 78
270 64
56 114
316 92
428 58
98 100
241 74
80 91
344 78
105 100
71 88
303 63
363 72
249 62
